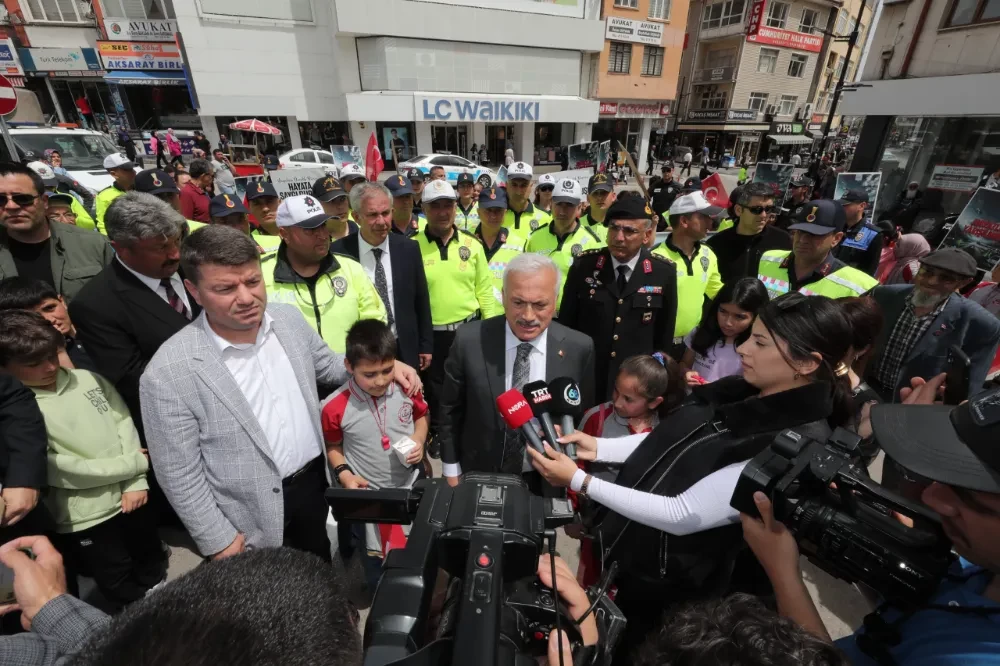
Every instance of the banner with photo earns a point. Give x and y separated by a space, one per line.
294 182
603 155
344 155
583 155
776 175
977 230
865 182
396 144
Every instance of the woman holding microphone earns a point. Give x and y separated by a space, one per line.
666 521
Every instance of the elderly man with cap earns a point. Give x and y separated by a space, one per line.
522 216
60 209
228 210
159 183
925 319
404 221
600 196
565 238
123 171
698 277
458 280
264 201
467 217
63 201
501 244
862 244
333 197
810 267
332 291
799 190
622 296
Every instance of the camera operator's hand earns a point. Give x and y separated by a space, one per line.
575 597
923 391
555 644
453 480
770 540
36 581
586 445
352 481
556 468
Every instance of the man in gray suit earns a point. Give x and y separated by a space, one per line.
231 409
492 356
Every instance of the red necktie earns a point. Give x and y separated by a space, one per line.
174 300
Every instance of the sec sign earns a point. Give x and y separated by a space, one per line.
8 96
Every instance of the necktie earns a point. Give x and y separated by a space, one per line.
174 300
382 285
514 452
622 278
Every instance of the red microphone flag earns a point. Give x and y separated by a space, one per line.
373 160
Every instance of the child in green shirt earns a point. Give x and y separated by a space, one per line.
96 466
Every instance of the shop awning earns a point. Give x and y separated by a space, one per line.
789 139
140 78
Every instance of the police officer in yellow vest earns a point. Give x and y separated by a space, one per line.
404 221
332 291
458 281
522 216
123 171
500 243
332 195
600 196
810 267
228 210
467 210
159 183
566 238
698 275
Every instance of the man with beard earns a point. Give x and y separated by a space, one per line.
927 318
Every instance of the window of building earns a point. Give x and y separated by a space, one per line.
808 22
786 106
797 65
840 67
720 58
822 103
630 4
842 19
721 14
652 61
966 12
152 10
767 60
620 58
777 14
713 98
57 11
659 9
758 101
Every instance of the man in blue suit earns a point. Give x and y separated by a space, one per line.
926 318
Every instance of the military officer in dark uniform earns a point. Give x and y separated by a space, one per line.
622 296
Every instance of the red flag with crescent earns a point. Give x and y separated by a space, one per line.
373 160
715 191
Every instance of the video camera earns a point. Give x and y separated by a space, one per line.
486 534
842 520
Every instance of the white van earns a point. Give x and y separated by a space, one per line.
83 151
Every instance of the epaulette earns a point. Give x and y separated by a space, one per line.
660 257
593 250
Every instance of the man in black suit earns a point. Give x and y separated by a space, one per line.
134 305
23 460
494 355
394 266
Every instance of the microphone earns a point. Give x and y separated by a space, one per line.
516 413
538 396
566 401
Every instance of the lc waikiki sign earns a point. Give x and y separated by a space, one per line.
472 109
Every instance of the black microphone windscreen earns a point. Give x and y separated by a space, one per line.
566 398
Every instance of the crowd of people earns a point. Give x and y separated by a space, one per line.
197 360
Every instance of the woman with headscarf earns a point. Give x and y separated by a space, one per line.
909 249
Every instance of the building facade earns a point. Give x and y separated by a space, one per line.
930 94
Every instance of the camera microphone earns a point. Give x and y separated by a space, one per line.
538 396
516 413
566 402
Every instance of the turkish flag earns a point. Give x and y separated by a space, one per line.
373 159
715 191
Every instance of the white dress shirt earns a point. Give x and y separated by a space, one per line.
265 376
630 264
158 289
367 259
536 373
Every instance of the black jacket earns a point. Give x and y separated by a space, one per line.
411 303
23 440
722 423
861 247
739 256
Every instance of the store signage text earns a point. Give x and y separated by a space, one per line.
787 39
635 109
786 128
756 17
9 62
66 60
140 55
721 114
955 177
714 74
140 31
443 108
609 108
630 30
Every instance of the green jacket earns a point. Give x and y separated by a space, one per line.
94 451
77 256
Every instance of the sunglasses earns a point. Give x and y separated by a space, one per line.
546 188
757 210
22 200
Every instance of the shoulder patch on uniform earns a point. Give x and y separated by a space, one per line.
660 257
592 251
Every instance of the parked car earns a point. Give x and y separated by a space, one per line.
453 165
83 151
307 157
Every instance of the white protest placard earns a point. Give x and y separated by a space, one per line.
296 181
955 178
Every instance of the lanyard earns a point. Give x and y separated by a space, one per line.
378 413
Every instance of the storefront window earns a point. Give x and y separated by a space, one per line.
548 142
396 140
320 136
625 130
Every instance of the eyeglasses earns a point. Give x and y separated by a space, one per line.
546 188
628 232
22 200
757 210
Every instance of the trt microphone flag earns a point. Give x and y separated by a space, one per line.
715 191
373 160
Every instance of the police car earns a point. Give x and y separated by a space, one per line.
306 157
453 165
